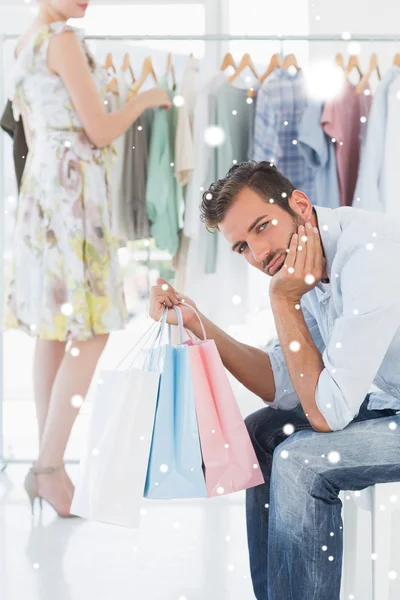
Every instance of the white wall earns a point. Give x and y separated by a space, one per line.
357 17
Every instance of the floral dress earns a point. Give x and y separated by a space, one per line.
66 282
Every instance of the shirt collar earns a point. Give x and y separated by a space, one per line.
285 74
330 231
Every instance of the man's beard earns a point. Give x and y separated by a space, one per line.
296 222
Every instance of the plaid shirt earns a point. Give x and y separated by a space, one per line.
281 102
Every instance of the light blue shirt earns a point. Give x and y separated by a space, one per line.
319 153
354 320
281 102
368 193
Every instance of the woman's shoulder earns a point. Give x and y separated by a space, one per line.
32 42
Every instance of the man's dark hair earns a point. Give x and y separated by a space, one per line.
260 177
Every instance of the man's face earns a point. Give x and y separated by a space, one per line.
261 231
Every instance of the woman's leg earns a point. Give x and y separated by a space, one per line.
73 378
47 360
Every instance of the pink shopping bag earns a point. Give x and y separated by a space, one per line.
229 458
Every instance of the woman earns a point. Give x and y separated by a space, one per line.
66 288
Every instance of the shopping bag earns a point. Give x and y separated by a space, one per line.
114 464
176 466
229 458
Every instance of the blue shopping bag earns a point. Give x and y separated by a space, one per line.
175 468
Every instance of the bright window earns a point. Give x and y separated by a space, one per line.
268 18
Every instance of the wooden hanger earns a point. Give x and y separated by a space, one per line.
246 62
171 70
339 61
373 65
290 61
274 63
396 60
126 66
113 86
228 61
109 64
147 70
353 64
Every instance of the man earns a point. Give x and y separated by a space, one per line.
335 296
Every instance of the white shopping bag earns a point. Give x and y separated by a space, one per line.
114 464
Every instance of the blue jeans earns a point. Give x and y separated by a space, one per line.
292 516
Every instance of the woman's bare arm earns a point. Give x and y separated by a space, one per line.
66 58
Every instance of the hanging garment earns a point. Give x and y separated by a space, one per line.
163 193
15 130
203 110
369 192
281 103
222 295
66 280
114 103
135 222
389 182
234 114
319 154
341 121
184 150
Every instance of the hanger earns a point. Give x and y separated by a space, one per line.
373 65
126 66
228 61
290 61
245 63
339 61
396 60
353 64
109 64
274 63
171 70
147 69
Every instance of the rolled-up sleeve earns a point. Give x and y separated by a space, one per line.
285 396
363 332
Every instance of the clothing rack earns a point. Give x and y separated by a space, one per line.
340 38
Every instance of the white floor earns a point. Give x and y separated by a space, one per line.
184 550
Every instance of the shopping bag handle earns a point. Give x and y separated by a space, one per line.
147 335
180 321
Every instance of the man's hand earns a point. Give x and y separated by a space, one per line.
162 295
303 269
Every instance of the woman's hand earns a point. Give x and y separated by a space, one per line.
163 295
157 97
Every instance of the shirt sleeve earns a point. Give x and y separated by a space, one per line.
184 151
158 188
311 138
266 140
285 396
362 334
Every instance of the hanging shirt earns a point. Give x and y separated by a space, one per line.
114 102
135 221
15 130
234 114
341 121
184 145
223 294
281 103
390 166
163 193
355 320
369 193
204 108
319 154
